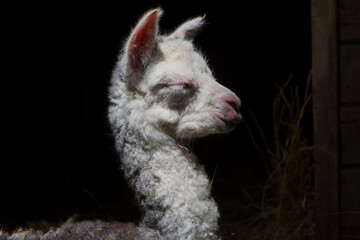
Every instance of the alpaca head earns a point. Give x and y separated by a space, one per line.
169 84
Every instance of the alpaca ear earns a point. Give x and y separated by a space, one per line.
188 29
142 40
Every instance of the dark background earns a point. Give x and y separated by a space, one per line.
58 155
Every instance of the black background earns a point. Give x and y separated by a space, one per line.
58 156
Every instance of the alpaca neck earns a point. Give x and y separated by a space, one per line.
172 188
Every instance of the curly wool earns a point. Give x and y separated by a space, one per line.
170 185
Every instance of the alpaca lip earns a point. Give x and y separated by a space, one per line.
231 122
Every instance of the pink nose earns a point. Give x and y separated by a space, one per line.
228 103
232 108
233 101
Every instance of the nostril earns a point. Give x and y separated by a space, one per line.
234 103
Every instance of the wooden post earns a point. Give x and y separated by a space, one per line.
326 116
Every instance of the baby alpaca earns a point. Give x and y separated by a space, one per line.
162 95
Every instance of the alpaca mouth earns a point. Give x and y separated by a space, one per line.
230 121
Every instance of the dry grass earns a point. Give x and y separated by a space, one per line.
286 205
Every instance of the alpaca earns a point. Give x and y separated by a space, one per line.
162 95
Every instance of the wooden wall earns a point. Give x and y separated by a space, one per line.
336 109
349 66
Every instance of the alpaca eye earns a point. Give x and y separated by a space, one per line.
187 86
179 87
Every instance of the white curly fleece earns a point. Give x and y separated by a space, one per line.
162 95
